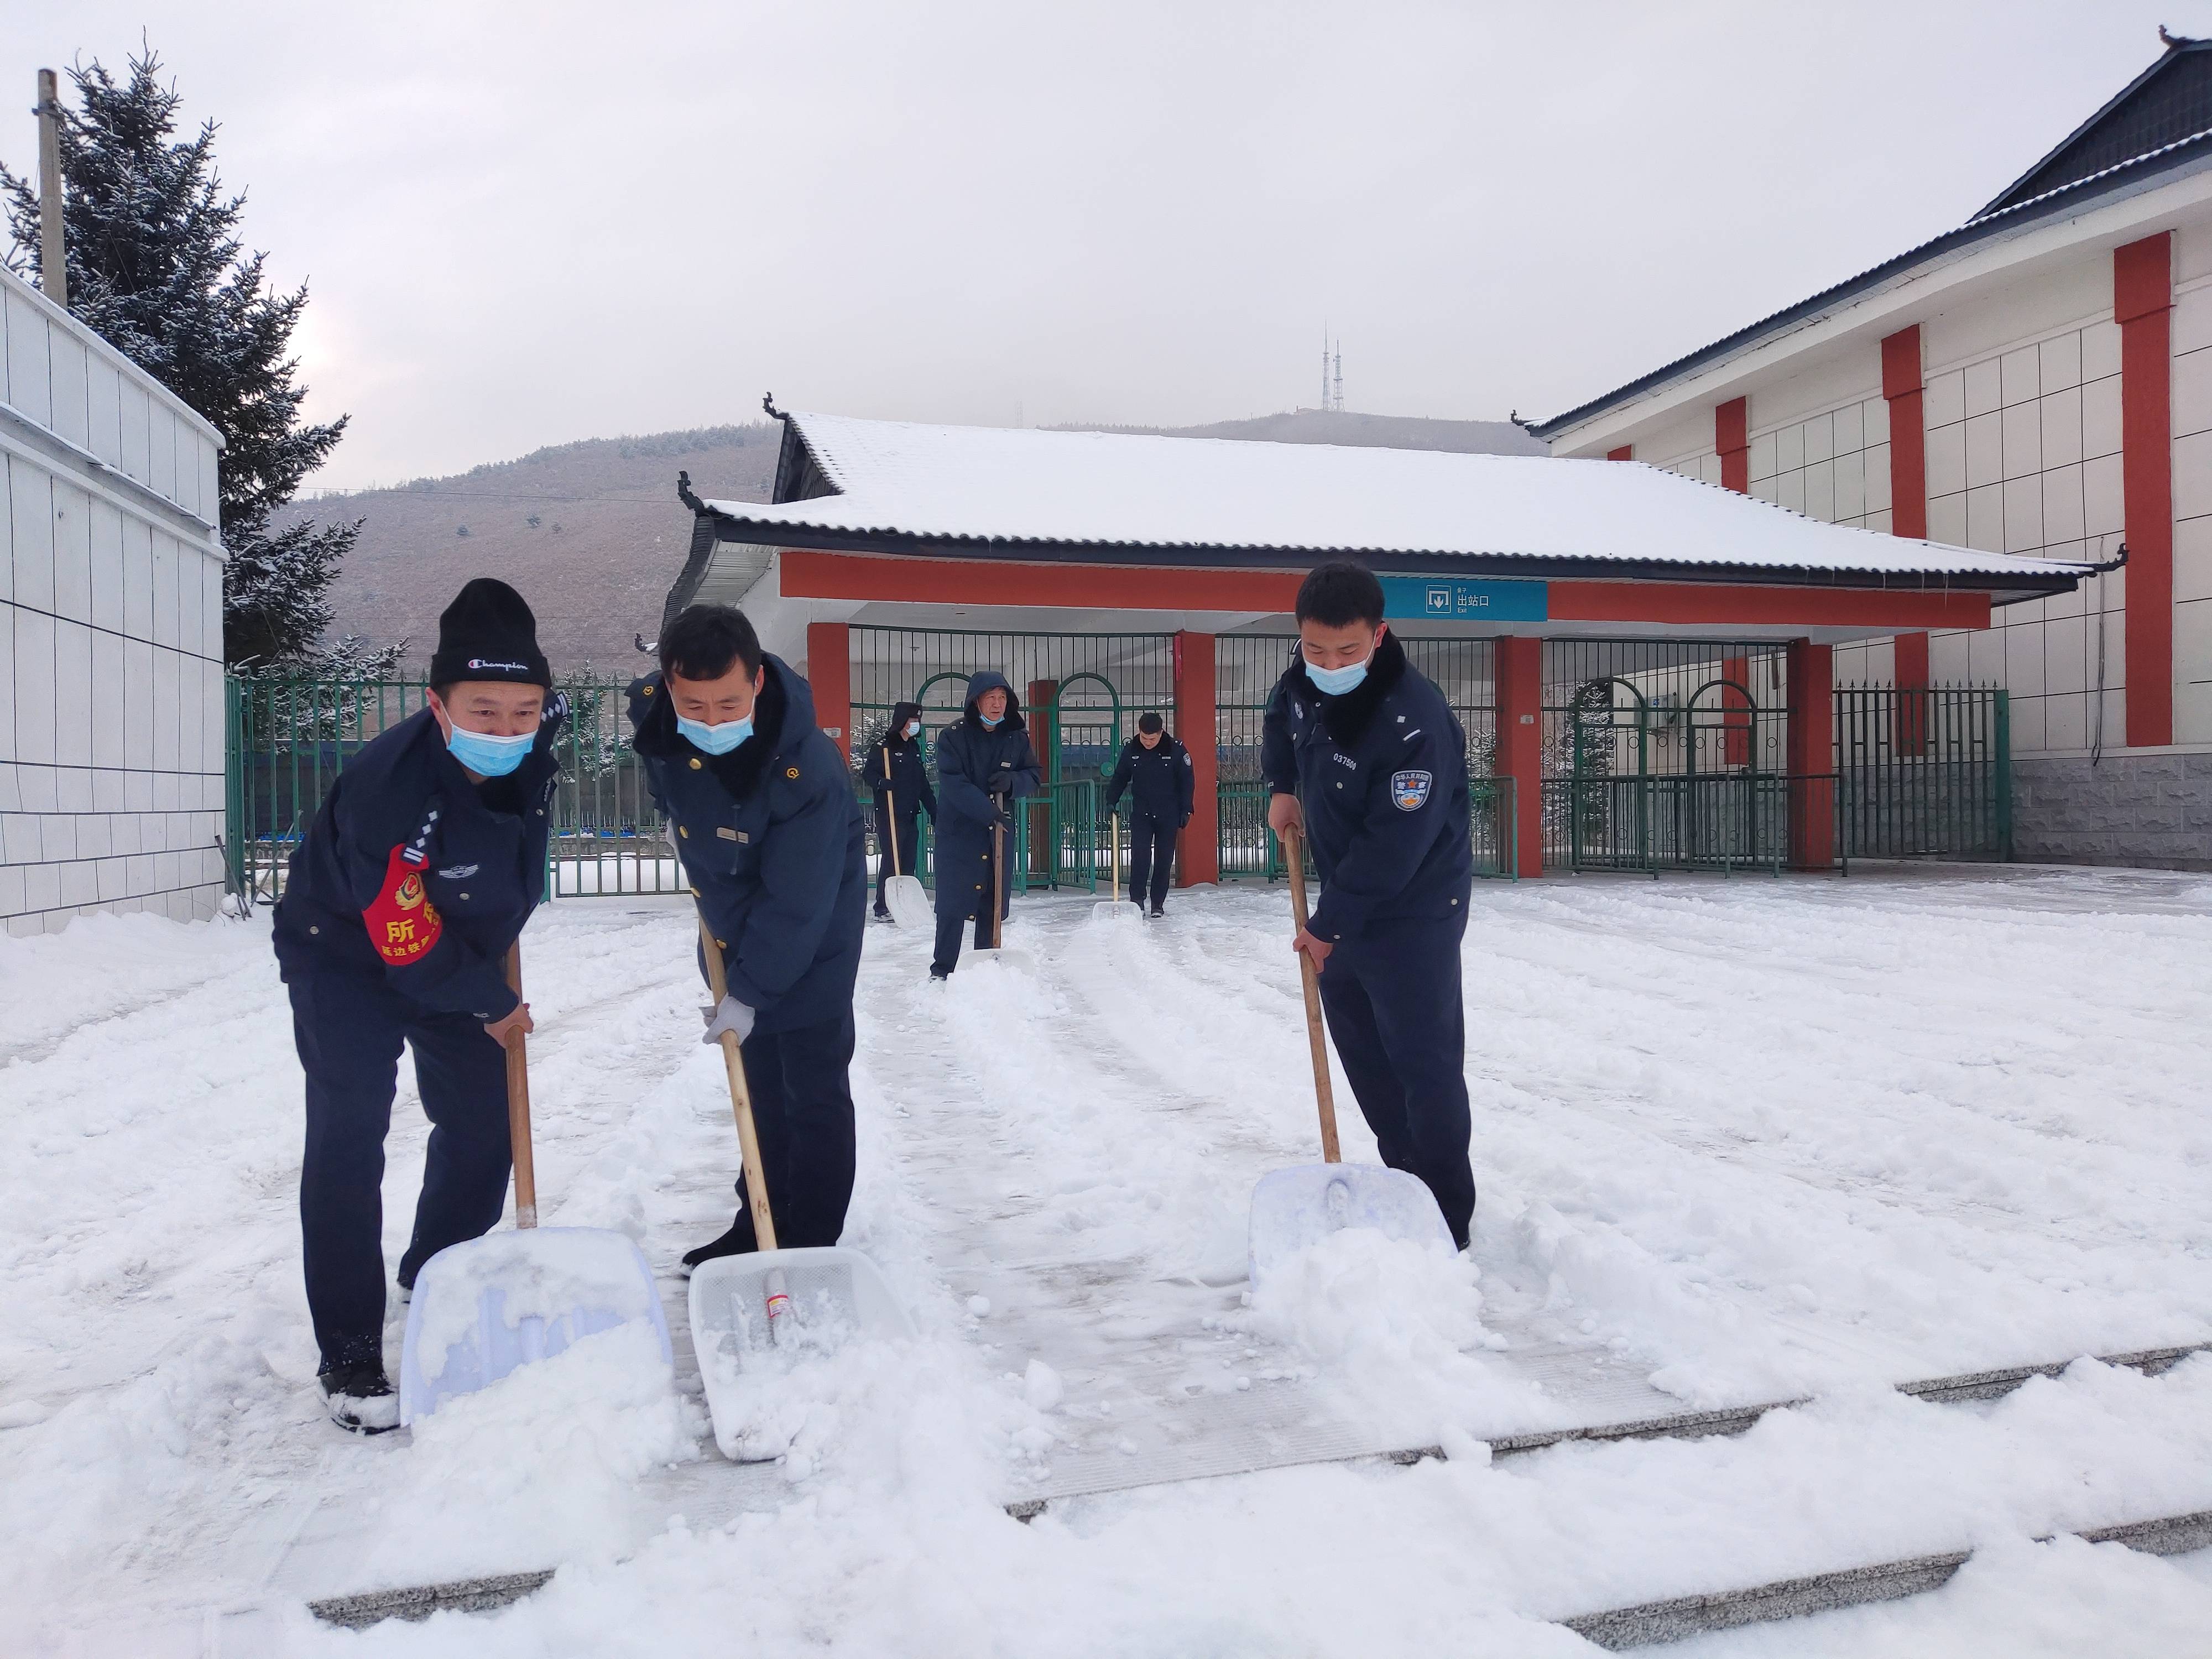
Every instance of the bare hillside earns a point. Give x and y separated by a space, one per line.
591 533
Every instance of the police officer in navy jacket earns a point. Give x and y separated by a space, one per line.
1156 771
773 845
896 775
420 868
984 762
1362 752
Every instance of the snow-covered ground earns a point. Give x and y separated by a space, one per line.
1747 1140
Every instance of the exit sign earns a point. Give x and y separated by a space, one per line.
1463 599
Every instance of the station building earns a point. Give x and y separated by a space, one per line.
2037 382
1644 662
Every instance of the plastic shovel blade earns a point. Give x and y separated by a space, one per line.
908 904
838 1296
1294 1209
483 1309
1116 912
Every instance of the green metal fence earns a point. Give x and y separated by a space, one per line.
1926 773
1248 848
287 739
1679 821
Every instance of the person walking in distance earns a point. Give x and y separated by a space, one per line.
422 864
1365 760
899 778
1156 771
774 846
984 763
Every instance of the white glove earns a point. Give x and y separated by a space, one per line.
727 1015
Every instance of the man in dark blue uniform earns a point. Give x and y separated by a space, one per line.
1156 769
899 778
427 858
983 763
773 842
1363 756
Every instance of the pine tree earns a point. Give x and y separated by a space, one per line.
156 266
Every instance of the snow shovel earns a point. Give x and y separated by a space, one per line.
486 1307
903 894
1020 961
1115 911
1292 1209
798 1302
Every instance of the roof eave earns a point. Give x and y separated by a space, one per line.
2062 578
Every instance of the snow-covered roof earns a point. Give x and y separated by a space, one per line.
902 486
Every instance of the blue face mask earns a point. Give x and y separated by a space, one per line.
990 724
1335 682
488 756
914 728
715 739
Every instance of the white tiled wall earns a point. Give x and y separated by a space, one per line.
2192 513
111 635
2024 457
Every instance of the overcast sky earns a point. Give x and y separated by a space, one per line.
528 224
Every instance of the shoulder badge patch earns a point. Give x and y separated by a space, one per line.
403 924
1410 790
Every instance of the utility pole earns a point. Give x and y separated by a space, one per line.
53 259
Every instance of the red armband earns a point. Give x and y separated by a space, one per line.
403 924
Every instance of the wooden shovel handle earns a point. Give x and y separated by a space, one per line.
1324 1095
517 1105
890 813
741 1097
998 884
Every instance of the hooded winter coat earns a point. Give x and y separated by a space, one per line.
894 762
974 763
772 843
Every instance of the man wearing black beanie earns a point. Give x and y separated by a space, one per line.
426 860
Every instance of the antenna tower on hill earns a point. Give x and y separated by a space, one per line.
1332 374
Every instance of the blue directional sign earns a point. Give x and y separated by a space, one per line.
1464 599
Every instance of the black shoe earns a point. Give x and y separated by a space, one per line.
360 1397
936 972
1156 913
739 1240
883 915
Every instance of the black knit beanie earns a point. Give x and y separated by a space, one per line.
488 633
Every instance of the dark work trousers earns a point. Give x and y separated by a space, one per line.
1393 1001
1152 858
951 918
349 1028
909 843
803 1114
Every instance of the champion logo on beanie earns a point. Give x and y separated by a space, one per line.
487 632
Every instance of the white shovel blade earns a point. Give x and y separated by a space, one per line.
1116 912
485 1307
836 1295
1293 1209
908 904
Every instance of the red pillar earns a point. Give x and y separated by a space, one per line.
1041 709
2142 305
1812 676
1732 439
1908 433
830 672
1198 849
1625 452
1901 388
1519 669
1735 696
